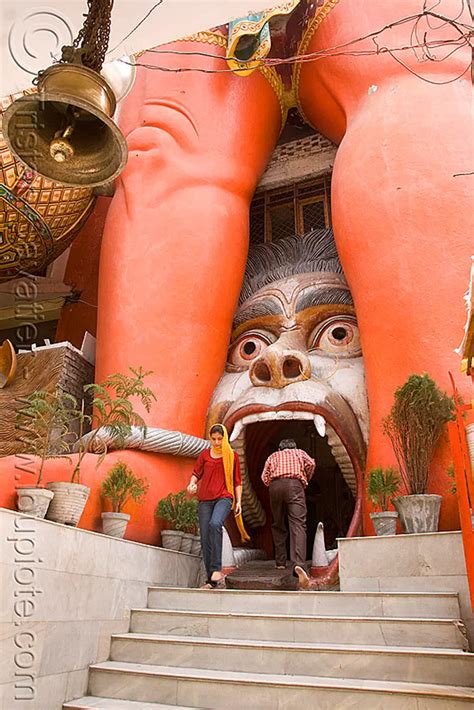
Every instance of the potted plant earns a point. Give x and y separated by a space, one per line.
119 486
194 526
171 509
382 485
44 422
415 423
189 523
113 411
196 546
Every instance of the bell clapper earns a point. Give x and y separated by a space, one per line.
60 147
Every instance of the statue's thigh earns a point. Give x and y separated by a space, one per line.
401 210
175 240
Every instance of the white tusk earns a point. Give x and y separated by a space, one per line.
320 558
320 424
236 431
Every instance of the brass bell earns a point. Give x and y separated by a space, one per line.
65 132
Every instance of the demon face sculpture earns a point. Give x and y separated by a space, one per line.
295 368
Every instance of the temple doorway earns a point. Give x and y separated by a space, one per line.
328 496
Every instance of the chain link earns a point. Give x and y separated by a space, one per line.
93 37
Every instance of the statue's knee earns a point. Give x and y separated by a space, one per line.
162 125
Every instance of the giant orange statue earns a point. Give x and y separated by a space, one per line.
176 237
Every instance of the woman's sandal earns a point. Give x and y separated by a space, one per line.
208 585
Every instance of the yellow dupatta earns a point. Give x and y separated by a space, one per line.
228 463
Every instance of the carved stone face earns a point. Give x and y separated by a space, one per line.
295 354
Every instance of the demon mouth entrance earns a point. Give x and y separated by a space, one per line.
329 496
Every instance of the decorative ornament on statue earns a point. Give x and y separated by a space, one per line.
65 131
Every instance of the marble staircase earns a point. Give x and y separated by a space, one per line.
279 650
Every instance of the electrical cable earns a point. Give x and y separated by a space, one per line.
145 17
426 46
321 55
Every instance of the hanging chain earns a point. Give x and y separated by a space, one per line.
90 45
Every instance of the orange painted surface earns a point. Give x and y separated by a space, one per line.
164 473
82 273
402 221
173 253
464 487
175 240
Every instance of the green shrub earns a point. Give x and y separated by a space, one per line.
170 509
415 423
121 485
112 409
179 511
382 485
44 421
190 518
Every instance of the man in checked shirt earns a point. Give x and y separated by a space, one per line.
287 473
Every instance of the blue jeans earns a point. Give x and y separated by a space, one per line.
212 514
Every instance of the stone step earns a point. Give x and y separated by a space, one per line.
367 631
88 702
450 667
230 690
408 605
261 576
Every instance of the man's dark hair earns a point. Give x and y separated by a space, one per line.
287 444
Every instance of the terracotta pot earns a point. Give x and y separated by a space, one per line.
171 539
33 501
419 513
69 502
385 522
114 524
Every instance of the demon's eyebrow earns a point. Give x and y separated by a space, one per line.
322 297
265 307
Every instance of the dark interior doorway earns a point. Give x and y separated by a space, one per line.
328 496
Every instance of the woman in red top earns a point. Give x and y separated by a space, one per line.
220 488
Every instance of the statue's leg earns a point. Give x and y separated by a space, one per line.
174 249
402 207
173 253
175 240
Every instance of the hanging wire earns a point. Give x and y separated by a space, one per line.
426 46
321 55
144 18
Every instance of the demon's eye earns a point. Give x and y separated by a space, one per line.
338 336
248 347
